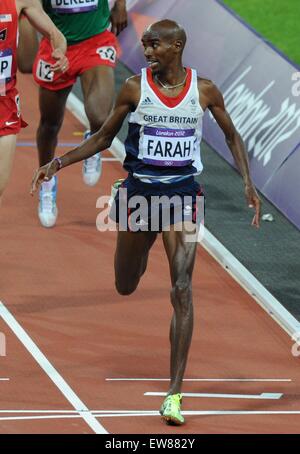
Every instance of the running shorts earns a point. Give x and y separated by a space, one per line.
98 50
10 114
140 206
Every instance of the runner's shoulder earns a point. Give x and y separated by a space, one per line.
130 91
208 89
132 84
134 81
206 84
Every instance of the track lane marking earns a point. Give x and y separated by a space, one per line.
139 413
271 396
264 380
52 373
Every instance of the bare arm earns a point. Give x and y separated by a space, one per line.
99 141
33 10
118 16
215 103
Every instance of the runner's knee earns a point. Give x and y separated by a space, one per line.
50 126
96 121
181 294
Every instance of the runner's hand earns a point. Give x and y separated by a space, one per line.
61 64
44 173
118 17
253 201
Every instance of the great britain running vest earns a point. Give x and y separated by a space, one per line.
8 45
163 142
78 19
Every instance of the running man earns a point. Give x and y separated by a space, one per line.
10 117
92 55
166 100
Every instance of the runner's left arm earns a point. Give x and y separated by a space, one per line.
215 104
33 10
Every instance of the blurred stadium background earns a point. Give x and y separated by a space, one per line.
275 20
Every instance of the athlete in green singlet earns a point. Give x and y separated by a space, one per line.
92 56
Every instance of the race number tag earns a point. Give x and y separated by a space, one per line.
6 58
107 53
73 6
5 17
167 147
43 71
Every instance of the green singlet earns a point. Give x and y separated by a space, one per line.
78 19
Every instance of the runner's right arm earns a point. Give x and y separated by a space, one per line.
33 10
101 140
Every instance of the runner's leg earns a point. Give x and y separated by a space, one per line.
181 257
98 94
131 259
7 151
98 91
52 108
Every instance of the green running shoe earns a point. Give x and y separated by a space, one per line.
170 410
114 189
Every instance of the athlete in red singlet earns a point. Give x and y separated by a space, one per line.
10 116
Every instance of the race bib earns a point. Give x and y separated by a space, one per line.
43 71
167 147
5 18
6 58
107 53
73 6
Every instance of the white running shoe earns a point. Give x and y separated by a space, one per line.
92 167
47 205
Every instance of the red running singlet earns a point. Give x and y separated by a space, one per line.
8 45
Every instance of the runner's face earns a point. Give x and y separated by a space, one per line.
158 51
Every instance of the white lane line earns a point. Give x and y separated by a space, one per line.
202 413
271 396
148 413
4 379
249 282
39 411
25 412
264 380
52 373
240 412
33 418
